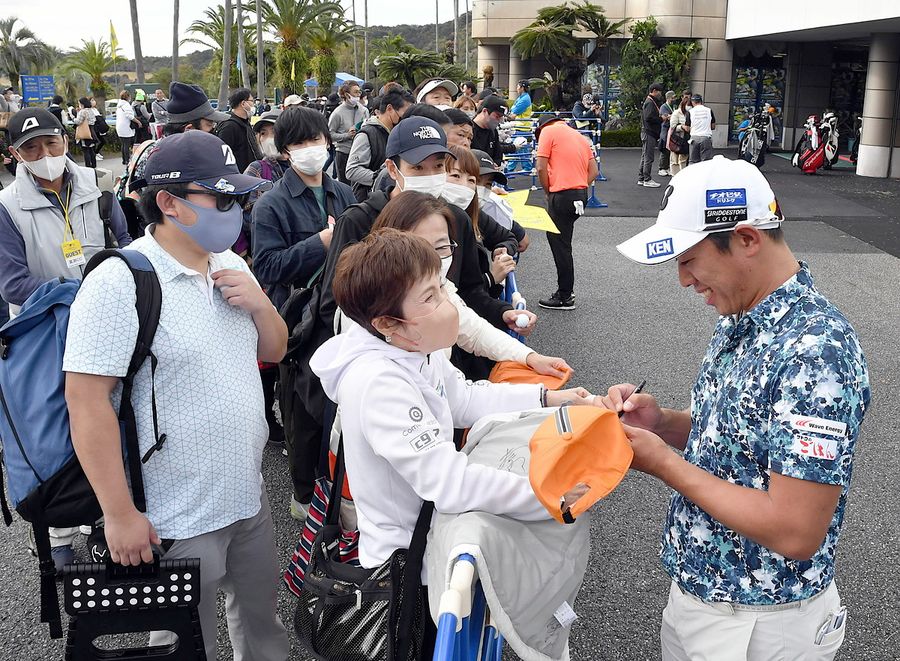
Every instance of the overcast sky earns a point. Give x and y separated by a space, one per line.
65 24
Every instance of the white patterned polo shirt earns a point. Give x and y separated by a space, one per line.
208 391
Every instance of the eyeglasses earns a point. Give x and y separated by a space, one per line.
224 201
446 251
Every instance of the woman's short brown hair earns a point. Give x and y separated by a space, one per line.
373 276
464 100
409 208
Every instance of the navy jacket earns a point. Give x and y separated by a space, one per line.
287 249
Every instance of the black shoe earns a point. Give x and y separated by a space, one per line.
557 302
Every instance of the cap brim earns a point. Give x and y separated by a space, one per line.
419 154
216 116
37 134
658 244
498 176
243 183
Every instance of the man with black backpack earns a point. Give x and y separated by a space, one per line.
198 401
367 151
51 223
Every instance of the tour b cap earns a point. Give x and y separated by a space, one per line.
713 196
416 138
201 158
577 445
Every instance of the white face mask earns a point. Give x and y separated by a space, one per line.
457 194
432 184
443 106
309 160
268 148
484 192
470 114
445 266
48 168
353 100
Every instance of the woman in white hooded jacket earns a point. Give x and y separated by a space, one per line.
401 398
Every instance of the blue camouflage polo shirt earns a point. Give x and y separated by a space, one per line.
783 388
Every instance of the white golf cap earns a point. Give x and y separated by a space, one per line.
712 196
448 85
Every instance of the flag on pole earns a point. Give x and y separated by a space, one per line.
293 72
113 42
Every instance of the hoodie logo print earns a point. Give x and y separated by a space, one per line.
415 414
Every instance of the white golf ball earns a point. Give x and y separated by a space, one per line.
522 321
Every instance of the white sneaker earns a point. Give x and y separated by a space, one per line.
99 157
299 510
651 184
663 173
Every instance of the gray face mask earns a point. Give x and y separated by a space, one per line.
214 230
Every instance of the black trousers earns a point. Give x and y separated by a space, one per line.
340 160
127 143
269 376
90 158
561 207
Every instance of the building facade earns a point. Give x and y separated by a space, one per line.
800 58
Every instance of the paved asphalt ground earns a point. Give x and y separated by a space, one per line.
636 323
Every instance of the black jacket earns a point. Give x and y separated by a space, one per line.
488 141
237 133
651 122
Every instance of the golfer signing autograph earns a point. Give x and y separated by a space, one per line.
768 441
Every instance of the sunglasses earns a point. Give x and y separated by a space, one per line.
224 201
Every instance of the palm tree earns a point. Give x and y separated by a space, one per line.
291 21
175 41
20 50
242 53
551 36
136 33
210 32
93 59
327 35
260 59
408 67
226 55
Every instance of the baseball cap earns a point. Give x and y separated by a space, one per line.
201 158
140 95
266 118
189 103
416 138
448 85
494 103
30 123
509 371
486 165
577 445
292 100
697 97
712 196
544 120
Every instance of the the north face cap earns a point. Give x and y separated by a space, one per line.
578 445
712 196
416 138
201 158
30 123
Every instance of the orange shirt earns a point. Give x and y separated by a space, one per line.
569 154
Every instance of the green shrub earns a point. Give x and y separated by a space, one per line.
621 138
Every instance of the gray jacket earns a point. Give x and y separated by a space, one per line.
342 119
528 569
32 228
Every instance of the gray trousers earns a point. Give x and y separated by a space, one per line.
701 149
240 560
648 151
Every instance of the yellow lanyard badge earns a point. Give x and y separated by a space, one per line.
72 251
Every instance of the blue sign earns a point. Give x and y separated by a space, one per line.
36 89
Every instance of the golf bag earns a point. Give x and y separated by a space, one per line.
809 154
830 136
755 138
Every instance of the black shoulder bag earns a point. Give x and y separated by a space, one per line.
348 613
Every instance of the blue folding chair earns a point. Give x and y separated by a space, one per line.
466 631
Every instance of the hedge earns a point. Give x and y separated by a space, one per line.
621 138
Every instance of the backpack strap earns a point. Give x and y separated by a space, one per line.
49 598
105 207
149 307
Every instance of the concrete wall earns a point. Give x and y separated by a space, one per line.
807 86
